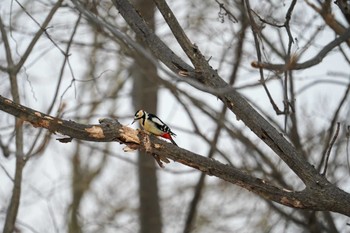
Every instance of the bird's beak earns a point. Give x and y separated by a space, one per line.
133 121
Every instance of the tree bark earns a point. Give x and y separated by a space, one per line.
322 196
145 90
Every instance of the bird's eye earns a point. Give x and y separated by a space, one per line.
138 114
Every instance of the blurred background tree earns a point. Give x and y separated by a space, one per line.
81 61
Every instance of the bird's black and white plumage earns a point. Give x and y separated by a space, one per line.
151 123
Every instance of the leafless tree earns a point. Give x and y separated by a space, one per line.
241 82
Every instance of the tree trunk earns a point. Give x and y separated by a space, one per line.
145 97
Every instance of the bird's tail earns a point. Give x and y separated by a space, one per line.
168 136
172 140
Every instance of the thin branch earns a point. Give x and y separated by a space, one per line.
200 184
309 63
7 46
12 211
330 149
289 58
294 129
332 125
63 66
326 13
256 33
42 29
347 146
227 12
286 24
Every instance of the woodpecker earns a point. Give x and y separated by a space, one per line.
151 123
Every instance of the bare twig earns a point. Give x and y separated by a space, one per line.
12 210
200 184
63 66
330 149
289 59
326 12
309 63
42 29
347 146
256 34
227 12
332 125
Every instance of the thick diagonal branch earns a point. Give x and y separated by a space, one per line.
207 76
324 198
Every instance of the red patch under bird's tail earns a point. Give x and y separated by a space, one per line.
168 136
